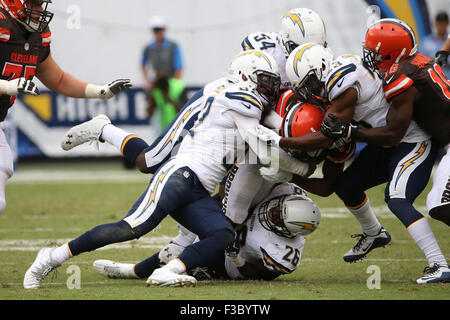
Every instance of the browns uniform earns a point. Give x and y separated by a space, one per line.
432 106
20 53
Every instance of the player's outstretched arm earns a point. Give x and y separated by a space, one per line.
56 79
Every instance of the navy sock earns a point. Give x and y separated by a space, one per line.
132 146
206 252
145 268
404 210
100 236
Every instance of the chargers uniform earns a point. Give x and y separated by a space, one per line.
406 167
205 156
167 143
269 42
280 254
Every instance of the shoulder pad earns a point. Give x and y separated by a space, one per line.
340 77
243 102
396 80
259 41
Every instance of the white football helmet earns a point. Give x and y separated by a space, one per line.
299 26
290 215
257 72
307 68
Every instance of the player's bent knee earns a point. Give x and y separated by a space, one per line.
441 213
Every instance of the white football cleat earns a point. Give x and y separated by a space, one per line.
41 267
85 132
366 244
435 273
164 277
115 270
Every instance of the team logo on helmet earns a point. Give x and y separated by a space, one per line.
296 20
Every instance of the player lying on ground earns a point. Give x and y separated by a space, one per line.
269 244
25 53
182 186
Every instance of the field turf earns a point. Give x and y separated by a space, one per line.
49 204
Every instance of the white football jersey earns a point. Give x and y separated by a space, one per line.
213 144
269 42
279 254
371 107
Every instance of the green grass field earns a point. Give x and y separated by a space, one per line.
48 204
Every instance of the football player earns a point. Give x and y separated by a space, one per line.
25 40
268 245
298 26
182 186
398 152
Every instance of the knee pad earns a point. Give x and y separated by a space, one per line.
441 213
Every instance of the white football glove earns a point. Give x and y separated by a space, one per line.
268 135
172 250
108 90
275 175
19 85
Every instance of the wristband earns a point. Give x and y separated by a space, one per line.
93 91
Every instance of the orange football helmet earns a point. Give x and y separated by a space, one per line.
301 119
388 41
32 14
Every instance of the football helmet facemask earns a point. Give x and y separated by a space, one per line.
299 26
257 72
290 215
32 14
388 41
307 68
301 119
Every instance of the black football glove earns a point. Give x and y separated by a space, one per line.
442 58
333 128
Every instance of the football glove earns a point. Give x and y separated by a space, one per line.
274 175
333 128
232 252
268 135
108 90
172 250
19 85
442 58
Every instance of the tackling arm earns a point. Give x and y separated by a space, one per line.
397 121
342 107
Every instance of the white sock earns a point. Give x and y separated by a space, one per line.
61 254
367 219
3 178
113 135
422 234
176 265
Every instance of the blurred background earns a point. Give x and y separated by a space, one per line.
99 41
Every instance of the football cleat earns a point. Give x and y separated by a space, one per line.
85 132
366 244
164 277
435 273
115 270
40 268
